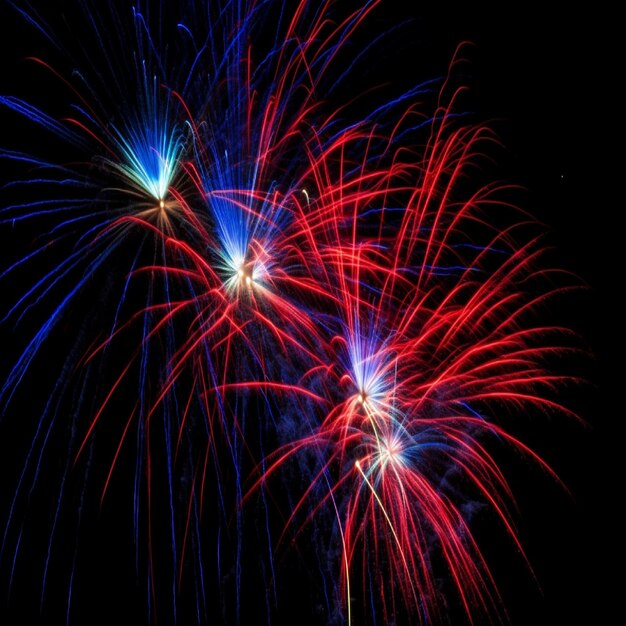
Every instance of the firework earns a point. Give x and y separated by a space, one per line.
294 318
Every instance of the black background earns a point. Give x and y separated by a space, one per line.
547 83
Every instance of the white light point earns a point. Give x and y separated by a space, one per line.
244 276
390 452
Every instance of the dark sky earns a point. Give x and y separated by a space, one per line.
547 81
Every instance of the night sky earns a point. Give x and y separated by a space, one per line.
546 83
